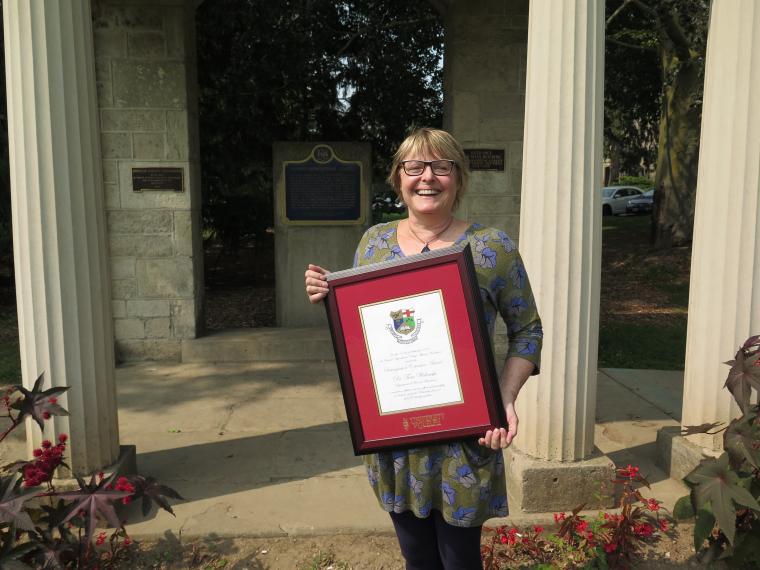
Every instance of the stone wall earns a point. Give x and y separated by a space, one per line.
147 92
484 100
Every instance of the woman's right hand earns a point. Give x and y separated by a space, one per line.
316 284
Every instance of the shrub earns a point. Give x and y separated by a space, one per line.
55 529
640 181
725 490
610 540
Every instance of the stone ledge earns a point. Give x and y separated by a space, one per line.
536 485
676 455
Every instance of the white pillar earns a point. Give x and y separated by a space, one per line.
560 222
724 298
62 283
554 465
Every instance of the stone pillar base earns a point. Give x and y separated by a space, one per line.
536 485
126 463
676 455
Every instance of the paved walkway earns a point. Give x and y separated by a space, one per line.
263 449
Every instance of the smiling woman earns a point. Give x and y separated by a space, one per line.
441 494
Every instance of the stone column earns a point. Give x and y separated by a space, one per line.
62 282
724 300
145 70
484 108
554 465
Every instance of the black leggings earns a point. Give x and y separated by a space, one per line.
434 544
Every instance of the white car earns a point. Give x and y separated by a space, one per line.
615 198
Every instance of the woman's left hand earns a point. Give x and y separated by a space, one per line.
501 438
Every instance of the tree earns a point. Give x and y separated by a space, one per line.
305 70
632 86
681 29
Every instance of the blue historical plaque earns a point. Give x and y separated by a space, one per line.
323 188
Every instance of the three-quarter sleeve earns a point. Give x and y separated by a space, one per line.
517 307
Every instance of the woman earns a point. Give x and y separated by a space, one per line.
438 496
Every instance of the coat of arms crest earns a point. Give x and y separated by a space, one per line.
405 327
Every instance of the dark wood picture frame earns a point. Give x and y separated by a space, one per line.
472 324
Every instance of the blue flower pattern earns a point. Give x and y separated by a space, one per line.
464 481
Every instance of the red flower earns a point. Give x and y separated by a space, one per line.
503 539
631 472
559 517
127 541
610 547
101 539
62 437
538 529
664 525
37 452
46 415
644 529
46 444
53 400
653 505
581 526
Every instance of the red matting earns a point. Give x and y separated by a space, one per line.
481 407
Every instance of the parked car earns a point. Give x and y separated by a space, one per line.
387 203
615 198
641 204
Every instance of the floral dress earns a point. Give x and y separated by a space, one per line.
464 481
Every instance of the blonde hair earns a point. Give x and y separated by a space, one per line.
436 143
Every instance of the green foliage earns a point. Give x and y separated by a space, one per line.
295 70
725 491
632 88
639 181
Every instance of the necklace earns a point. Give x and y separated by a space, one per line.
426 244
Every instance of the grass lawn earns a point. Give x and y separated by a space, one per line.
644 298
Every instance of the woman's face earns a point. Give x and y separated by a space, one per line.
428 193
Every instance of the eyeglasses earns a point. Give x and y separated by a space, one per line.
417 167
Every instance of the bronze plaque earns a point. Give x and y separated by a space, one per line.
485 158
168 179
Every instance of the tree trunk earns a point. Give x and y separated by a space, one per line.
614 156
678 152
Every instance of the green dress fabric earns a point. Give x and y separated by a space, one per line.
464 481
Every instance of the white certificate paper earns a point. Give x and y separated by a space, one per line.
410 353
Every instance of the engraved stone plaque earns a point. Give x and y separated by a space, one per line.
485 158
167 179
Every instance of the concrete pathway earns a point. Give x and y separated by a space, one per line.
263 449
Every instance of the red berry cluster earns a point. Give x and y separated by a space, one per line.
7 397
47 459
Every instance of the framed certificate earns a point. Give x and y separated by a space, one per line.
413 351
